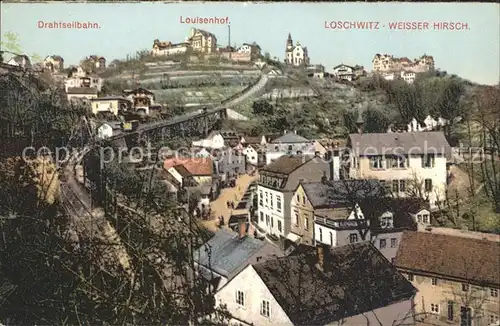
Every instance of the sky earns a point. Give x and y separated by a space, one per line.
125 28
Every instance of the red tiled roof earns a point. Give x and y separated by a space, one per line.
197 166
456 257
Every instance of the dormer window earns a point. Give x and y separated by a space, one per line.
386 220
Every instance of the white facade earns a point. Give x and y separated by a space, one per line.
271 210
414 126
20 61
216 142
327 232
177 176
298 56
389 76
423 218
245 48
105 131
170 50
72 82
344 72
249 286
431 180
251 155
408 76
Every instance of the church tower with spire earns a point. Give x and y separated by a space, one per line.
289 50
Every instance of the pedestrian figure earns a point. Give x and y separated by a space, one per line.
228 204
222 220
232 204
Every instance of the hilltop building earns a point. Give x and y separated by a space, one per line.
168 48
22 61
393 68
99 62
202 41
54 63
296 55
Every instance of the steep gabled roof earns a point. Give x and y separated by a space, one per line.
286 164
290 138
354 279
416 143
332 194
473 260
226 254
197 166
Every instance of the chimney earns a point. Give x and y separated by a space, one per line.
330 165
320 256
242 228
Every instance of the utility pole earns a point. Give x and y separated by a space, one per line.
229 40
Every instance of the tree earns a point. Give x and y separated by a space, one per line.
262 107
487 116
62 262
10 42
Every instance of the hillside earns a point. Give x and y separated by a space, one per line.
319 108
179 83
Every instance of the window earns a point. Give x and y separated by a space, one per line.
272 222
382 243
265 309
272 201
290 147
353 237
402 185
426 218
298 199
465 287
494 293
428 185
278 203
267 219
450 310
321 235
465 316
428 161
331 238
395 186
296 219
434 308
260 198
377 162
306 223
261 217
419 218
267 197
394 242
398 162
240 298
493 320
304 200
434 281
411 277
279 225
